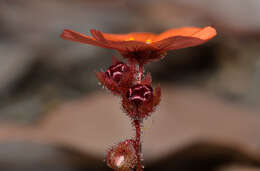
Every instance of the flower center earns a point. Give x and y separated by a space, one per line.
148 41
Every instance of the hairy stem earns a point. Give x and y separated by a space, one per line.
140 73
137 124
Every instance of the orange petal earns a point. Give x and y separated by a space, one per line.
120 45
97 35
205 33
188 32
129 46
79 37
140 37
177 42
101 41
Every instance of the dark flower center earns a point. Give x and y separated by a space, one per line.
116 71
140 93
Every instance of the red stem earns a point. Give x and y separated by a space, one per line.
140 73
137 124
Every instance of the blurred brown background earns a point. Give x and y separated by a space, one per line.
55 116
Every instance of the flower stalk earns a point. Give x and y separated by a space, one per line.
138 145
138 131
137 125
140 74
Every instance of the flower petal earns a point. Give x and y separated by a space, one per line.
133 42
134 36
205 33
101 41
178 42
97 35
120 45
79 37
129 46
186 31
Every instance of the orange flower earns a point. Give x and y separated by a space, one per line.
144 47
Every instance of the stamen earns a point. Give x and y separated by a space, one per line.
148 41
131 38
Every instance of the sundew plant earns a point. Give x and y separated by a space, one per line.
127 80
